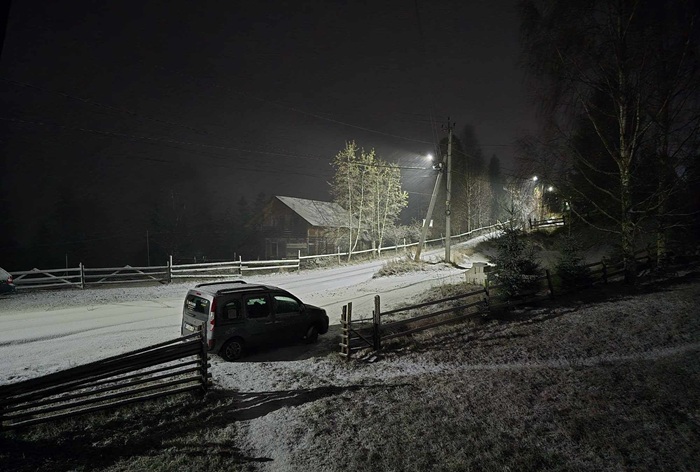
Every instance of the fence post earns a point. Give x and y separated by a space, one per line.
376 325
344 333
299 259
349 321
170 268
549 283
204 359
82 275
240 265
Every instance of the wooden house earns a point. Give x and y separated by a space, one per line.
291 225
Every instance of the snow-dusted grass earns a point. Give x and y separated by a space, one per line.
612 385
400 265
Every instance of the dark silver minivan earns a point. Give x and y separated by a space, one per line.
236 315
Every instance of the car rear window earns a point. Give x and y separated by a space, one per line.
197 304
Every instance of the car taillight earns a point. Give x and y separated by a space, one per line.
212 317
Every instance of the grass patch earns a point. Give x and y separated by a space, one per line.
602 419
605 387
183 432
401 265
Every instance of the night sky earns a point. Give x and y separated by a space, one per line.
117 104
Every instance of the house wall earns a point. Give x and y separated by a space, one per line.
286 233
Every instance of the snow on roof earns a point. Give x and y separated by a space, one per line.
316 213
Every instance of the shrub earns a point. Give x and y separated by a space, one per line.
516 266
570 267
399 266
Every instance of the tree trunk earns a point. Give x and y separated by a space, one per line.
627 227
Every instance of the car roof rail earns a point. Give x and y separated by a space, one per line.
207 284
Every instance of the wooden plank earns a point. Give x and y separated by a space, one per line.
105 398
442 300
363 338
117 404
97 381
87 370
429 315
432 325
59 387
21 405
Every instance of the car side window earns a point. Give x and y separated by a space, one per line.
285 304
257 307
232 310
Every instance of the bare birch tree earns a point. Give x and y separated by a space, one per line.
599 74
370 190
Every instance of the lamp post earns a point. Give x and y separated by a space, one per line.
538 198
426 223
448 196
447 161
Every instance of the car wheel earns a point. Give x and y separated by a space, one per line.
232 350
311 335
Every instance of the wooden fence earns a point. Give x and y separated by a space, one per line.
172 367
370 332
547 222
81 276
205 270
549 285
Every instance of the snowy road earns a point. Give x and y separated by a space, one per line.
41 332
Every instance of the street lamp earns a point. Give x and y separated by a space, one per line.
446 162
426 224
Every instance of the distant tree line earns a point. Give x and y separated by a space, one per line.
479 195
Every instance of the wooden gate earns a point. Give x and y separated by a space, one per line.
356 334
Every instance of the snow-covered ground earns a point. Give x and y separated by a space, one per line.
46 331
570 384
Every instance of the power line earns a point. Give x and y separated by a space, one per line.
303 112
94 103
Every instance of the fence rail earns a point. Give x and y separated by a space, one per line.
361 334
368 333
156 371
50 278
81 276
547 222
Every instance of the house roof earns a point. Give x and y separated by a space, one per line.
316 213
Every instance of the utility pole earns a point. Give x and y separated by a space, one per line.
426 223
448 193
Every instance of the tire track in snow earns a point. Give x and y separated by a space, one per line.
15 342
